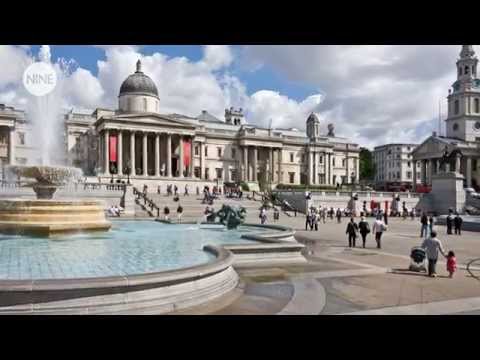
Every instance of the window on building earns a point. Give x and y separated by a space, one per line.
196 172
219 172
398 148
219 151
234 153
467 70
334 179
291 177
409 174
333 163
197 150
477 105
408 164
408 148
207 173
343 162
21 138
292 157
206 150
398 175
320 160
457 107
398 164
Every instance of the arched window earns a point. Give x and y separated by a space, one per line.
466 70
459 71
144 104
457 107
477 105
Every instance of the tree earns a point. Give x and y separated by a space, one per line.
367 167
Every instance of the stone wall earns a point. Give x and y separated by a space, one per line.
341 199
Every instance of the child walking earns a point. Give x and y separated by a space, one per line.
451 263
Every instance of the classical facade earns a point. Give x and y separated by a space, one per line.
459 150
138 141
394 166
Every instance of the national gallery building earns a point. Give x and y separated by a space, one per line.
140 142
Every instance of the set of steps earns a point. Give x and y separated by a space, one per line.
193 209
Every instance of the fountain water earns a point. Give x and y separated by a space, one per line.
45 216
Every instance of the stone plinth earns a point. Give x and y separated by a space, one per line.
448 192
45 217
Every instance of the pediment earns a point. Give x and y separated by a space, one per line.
150 119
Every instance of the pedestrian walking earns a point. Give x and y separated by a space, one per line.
457 223
339 215
276 215
449 222
430 223
186 190
364 229
263 216
352 229
378 228
424 222
432 246
451 263
308 220
175 189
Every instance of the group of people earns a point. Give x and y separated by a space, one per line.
363 228
166 213
114 210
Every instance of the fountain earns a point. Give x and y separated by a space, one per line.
230 216
46 216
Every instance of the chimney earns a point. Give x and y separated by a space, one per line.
434 134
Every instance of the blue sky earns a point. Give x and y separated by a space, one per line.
372 94
260 79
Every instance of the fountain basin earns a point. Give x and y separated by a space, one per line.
47 217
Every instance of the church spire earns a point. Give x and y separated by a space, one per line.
467 52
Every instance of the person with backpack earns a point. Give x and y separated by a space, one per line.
364 229
339 215
166 212
378 228
352 229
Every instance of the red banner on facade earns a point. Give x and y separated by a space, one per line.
187 149
113 148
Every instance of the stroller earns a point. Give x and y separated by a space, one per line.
418 257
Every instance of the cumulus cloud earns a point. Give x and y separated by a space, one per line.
373 94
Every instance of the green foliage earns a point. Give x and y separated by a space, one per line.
367 167
244 186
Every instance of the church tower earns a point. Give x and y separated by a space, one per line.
463 120
313 127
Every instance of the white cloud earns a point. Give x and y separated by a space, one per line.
217 56
82 89
373 94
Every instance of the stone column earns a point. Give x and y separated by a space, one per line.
11 146
469 171
280 156
180 162
347 171
145 154
457 163
106 135
157 154
133 170
272 167
310 167
430 171
202 160
357 170
255 157
414 185
245 164
192 154
120 152
437 164
169 155
423 171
